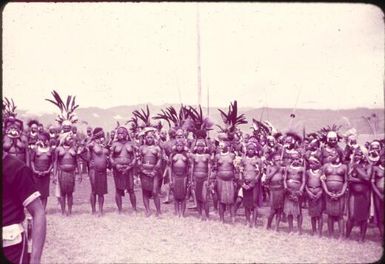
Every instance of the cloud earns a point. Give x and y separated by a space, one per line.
117 117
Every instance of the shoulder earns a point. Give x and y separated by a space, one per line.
12 163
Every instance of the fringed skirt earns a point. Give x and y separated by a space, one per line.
335 207
250 197
98 180
180 188
316 207
120 180
359 205
147 182
226 191
277 198
292 207
201 188
67 182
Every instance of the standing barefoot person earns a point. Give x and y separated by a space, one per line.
64 167
294 184
200 170
377 183
123 159
251 169
98 160
359 193
167 150
334 184
65 158
150 161
41 164
179 165
315 193
274 179
224 160
225 177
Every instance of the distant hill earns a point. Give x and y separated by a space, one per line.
311 119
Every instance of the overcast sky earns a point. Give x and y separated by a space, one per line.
275 55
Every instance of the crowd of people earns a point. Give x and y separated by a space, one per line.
230 170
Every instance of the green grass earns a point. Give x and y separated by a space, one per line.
113 238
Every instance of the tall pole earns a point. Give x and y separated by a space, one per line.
199 58
208 99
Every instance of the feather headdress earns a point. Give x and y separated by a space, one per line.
67 109
9 108
294 134
200 124
264 127
32 121
144 116
180 119
134 124
323 132
231 119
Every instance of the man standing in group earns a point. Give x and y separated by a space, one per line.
19 192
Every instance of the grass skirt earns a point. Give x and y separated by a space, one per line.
98 180
335 207
201 187
226 191
291 207
316 207
67 182
277 198
358 206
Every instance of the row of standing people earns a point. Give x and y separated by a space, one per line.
327 177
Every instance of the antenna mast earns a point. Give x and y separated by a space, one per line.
199 58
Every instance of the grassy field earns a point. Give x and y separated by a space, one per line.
128 238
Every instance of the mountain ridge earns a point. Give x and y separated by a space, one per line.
312 119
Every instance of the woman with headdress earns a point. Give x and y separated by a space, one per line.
294 184
377 184
359 173
15 143
330 137
225 170
334 183
180 124
65 163
123 160
200 170
64 169
250 176
274 180
42 163
225 180
149 165
179 168
98 158
314 193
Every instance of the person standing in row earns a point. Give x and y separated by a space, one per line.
42 158
123 160
98 157
149 164
200 170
